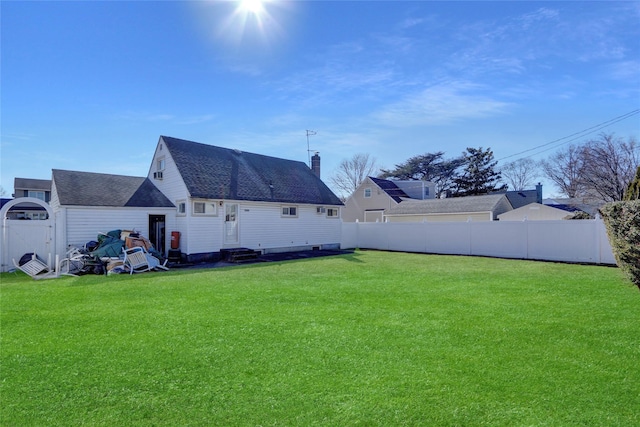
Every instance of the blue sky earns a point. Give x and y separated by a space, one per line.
91 86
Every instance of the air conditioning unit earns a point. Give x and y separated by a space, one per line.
157 175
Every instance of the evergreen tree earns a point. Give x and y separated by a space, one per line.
479 175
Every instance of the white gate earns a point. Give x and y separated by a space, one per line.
26 236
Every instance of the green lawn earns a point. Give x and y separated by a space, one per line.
371 338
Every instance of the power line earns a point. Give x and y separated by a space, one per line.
574 136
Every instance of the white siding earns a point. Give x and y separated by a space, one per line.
55 201
181 225
205 234
262 227
84 224
171 183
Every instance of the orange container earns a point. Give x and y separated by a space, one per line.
175 240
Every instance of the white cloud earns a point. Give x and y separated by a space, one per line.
165 117
411 22
625 71
438 105
325 84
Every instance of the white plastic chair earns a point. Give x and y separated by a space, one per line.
135 259
35 268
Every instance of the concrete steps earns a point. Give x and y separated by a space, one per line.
239 254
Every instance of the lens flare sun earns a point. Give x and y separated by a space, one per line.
250 21
252 6
244 27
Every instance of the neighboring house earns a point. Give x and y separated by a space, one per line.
86 203
538 212
28 187
585 205
524 197
470 208
228 199
374 196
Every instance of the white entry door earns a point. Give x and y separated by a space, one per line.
231 223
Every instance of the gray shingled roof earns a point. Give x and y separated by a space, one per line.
590 207
32 184
522 198
97 189
390 188
444 206
212 172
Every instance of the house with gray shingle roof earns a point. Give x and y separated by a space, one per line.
207 198
470 208
374 196
87 203
75 188
228 198
539 212
30 187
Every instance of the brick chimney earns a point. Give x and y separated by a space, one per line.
315 164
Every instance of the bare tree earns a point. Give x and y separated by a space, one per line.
351 172
565 169
610 164
520 174
600 169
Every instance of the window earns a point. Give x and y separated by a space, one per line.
289 211
426 192
37 194
333 212
320 210
204 208
38 216
367 193
160 164
182 208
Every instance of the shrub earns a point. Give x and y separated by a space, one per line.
622 220
580 215
633 190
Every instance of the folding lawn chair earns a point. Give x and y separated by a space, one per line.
135 259
35 268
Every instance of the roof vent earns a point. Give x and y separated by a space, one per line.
235 150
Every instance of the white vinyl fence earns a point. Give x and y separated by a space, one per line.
579 241
19 237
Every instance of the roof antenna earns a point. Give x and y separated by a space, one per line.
309 133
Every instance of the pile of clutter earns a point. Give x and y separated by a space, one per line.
106 255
